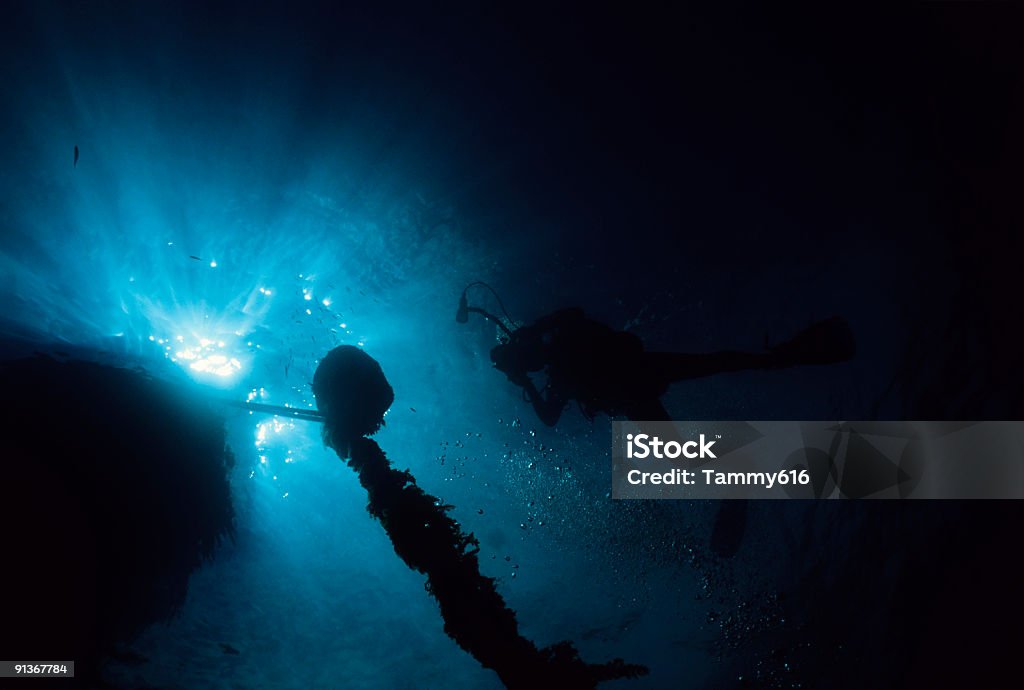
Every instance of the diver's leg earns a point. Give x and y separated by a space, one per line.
677 366
825 342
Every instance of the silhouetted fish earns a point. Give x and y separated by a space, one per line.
228 649
193 256
76 157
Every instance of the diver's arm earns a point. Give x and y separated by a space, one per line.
549 409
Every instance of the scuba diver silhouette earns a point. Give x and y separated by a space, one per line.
609 371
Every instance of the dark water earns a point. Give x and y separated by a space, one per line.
257 185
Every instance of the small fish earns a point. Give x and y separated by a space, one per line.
228 649
193 256
413 409
75 165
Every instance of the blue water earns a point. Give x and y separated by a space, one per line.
253 190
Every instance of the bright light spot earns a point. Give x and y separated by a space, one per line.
213 264
309 312
218 365
307 297
343 325
326 301
271 426
204 358
152 339
285 495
